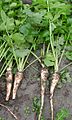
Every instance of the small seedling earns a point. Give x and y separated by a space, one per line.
62 114
27 110
1 118
36 107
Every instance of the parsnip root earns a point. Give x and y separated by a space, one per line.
18 78
9 83
55 80
9 111
52 109
44 76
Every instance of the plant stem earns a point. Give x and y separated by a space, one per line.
2 46
26 58
3 50
4 54
10 57
51 42
66 66
56 63
47 48
48 4
50 29
38 59
43 53
31 63
62 54
9 111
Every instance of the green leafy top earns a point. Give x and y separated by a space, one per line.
27 25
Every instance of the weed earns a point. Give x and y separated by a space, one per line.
27 110
1 118
62 114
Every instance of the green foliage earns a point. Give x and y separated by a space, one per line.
32 22
1 118
65 78
18 39
62 114
36 106
23 26
22 53
69 55
7 23
27 110
49 60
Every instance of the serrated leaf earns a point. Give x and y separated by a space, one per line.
56 16
50 56
53 26
69 55
25 29
49 16
13 4
69 20
61 40
21 53
2 27
17 22
68 77
48 63
29 39
58 5
10 24
49 60
3 16
45 33
18 39
35 18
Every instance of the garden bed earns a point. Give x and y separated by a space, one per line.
35 58
30 87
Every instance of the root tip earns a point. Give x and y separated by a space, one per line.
7 98
13 97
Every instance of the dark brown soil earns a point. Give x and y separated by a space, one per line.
29 88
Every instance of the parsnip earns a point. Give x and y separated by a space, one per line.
44 76
55 80
8 82
18 78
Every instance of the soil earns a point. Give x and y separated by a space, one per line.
29 88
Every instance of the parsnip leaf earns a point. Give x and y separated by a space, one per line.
3 16
21 53
69 55
49 60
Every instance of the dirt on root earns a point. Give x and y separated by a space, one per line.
29 88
